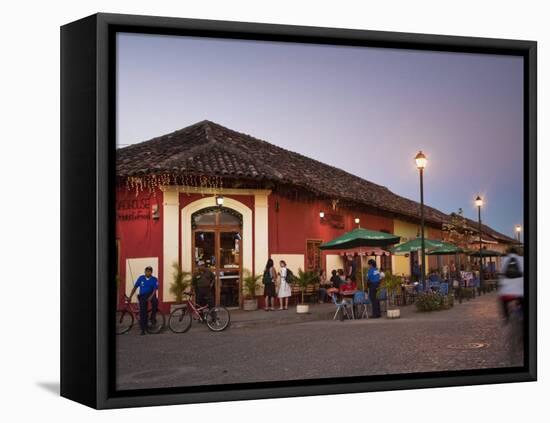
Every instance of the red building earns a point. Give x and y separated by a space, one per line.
206 193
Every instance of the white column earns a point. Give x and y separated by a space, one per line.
261 232
170 239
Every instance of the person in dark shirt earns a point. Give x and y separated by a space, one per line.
335 282
148 286
416 271
374 278
335 279
204 282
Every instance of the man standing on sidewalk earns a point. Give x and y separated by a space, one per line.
204 282
374 277
148 286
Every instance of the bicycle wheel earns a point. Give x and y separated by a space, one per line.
217 319
159 323
180 320
124 321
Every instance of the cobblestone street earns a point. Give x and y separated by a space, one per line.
471 335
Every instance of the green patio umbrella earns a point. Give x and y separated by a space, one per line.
416 245
360 237
446 250
485 253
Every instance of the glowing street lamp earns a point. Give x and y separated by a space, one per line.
322 214
357 221
518 233
478 201
421 161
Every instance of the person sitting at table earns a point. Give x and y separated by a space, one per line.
335 283
323 286
350 285
342 276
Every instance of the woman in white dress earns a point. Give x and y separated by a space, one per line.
284 287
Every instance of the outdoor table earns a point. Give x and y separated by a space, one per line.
349 295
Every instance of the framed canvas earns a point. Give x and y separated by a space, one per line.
259 211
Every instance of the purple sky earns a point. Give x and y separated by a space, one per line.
365 110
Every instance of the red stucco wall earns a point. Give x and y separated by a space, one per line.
293 222
137 233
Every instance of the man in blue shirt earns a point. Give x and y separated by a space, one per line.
148 286
416 271
374 278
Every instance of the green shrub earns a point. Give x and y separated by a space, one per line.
181 281
250 284
303 279
429 301
449 301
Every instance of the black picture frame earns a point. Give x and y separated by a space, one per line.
87 208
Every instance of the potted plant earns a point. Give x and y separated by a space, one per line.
392 284
303 279
250 284
181 281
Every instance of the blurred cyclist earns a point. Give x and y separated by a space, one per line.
510 290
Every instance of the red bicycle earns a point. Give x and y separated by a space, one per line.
127 316
216 318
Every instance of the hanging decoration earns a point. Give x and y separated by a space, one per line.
203 184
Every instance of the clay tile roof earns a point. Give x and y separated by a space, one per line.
207 148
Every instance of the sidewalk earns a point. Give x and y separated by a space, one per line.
319 312
260 317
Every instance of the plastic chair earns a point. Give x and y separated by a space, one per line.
342 305
361 299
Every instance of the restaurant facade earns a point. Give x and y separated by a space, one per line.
210 195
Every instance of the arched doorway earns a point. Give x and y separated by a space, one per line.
217 242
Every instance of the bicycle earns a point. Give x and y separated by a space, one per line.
126 318
216 318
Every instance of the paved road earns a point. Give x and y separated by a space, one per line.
469 336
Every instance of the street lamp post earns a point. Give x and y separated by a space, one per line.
518 233
479 203
421 161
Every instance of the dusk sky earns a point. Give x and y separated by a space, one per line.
365 110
